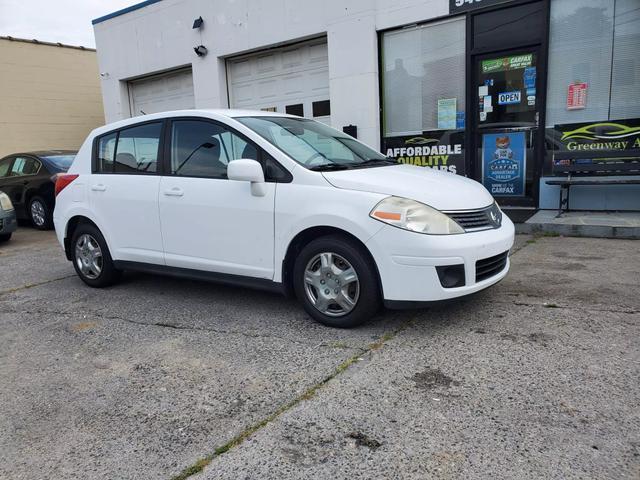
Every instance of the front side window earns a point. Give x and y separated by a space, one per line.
4 167
24 166
204 149
313 144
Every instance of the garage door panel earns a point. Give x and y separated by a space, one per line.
168 91
283 77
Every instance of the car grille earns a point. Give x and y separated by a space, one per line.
475 220
488 267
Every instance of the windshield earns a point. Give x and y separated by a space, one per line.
313 144
60 162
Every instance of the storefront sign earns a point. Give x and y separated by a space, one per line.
504 163
439 150
507 63
508 98
577 96
617 135
447 113
457 6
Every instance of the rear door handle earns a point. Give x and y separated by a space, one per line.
174 192
98 188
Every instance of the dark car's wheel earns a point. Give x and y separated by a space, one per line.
40 214
91 257
5 237
336 282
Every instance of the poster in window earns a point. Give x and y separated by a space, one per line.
577 96
504 163
447 114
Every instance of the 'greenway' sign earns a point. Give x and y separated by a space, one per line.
507 63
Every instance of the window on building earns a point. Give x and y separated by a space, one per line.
593 53
204 149
424 77
297 109
321 108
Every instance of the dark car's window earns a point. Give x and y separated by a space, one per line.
204 149
131 150
4 167
59 162
24 166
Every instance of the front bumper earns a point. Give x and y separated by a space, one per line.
407 261
8 223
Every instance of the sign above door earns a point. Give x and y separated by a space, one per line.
459 6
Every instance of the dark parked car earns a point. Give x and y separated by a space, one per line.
29 180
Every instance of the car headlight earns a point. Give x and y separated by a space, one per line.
5 202
414 216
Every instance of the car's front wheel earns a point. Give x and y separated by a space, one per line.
40 214
91 258
336 282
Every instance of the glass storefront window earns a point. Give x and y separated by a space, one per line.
594 72
424 77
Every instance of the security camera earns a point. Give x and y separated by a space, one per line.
200 50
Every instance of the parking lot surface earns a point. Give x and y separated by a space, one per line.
164 378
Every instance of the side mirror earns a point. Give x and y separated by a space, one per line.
245 170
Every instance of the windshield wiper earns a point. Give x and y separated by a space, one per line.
375 161
330 166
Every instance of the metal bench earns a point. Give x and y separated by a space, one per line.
591 164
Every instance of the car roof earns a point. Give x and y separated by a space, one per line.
43 153
213 113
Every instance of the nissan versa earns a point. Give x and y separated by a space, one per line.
279 202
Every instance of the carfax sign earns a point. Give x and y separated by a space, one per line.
504 163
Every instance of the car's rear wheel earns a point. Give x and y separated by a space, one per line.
40 214
5 237
336 282
91 258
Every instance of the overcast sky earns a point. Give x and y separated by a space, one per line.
64 21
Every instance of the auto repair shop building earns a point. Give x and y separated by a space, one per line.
511 93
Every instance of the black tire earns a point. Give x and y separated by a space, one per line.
108 274
43 221
368 301
5 237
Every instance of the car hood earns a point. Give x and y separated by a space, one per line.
441 190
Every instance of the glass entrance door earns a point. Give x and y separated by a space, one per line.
506 125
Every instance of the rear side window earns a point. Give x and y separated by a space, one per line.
24 166
132 150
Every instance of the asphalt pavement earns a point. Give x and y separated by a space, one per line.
162 378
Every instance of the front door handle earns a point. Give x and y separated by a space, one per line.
174 192
99 188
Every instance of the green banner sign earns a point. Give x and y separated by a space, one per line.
507 63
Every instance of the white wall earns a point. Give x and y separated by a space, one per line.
159 37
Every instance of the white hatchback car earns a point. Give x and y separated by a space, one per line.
278 202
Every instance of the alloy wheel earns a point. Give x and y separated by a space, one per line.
331 284
38 213
89 256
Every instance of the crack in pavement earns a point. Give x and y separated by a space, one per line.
33 285
99 316
200 465
568 307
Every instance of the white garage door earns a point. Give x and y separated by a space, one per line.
293 79
159 93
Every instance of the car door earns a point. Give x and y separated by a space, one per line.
209 222
22 172
123 192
